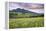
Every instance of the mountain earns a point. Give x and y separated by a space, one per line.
19 10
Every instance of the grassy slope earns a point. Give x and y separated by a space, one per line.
26 22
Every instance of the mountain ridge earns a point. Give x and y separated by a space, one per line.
24 11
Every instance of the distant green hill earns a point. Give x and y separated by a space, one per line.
23 13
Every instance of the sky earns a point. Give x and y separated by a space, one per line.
34 7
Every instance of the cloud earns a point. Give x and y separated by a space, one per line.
34 7
14 5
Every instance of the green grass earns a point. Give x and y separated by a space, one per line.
26 22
